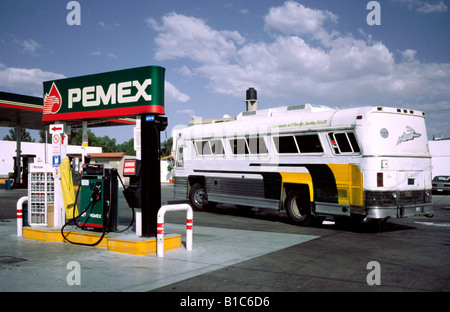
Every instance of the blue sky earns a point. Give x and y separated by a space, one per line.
292 52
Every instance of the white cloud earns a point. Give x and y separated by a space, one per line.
172 94
188 37
293 18
105 26
186 71
109 54
30 46
425 7
351 58
432 8
340 70
187 111
409 55
23 80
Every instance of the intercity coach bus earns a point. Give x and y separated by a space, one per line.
310 161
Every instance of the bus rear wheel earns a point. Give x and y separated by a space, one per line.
298 207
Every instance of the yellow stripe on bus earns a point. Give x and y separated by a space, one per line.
348 179
349 183
299 178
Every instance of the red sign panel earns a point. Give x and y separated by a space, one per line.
129 167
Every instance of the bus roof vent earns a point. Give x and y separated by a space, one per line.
251 99
255 114
249 113
295 107
309 107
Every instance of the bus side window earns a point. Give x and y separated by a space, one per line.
344 142
309 143
352 138
285 144
239 146
180 162
344 145
203 148
333 143
257 145
217 147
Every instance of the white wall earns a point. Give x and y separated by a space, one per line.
8 151
440 153
165 174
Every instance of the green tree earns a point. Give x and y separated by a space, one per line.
127 147
76 137
166 147
12 136
108 145
42 134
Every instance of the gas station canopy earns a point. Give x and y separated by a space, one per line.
26 111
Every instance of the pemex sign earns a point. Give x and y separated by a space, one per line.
121 93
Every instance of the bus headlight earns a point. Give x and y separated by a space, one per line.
428 197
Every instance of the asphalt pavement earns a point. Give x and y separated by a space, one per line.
256 250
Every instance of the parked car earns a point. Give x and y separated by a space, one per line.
441 184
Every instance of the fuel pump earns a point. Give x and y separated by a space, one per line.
98 201
99 187
103 213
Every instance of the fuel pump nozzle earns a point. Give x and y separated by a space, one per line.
96 193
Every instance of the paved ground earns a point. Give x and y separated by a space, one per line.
235 250
29 265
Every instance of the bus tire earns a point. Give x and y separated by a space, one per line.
298 207
199 198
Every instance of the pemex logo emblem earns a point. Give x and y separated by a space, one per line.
52 101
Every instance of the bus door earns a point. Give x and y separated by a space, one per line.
179 153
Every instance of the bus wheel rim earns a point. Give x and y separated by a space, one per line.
296 210
201 197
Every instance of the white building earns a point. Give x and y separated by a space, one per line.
44 152
41 150
440 152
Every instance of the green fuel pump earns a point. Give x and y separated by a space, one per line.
103 213
99 201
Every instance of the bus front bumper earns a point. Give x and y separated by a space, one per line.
381 205
400 211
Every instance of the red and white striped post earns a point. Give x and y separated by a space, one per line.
20 215
189 233
160 226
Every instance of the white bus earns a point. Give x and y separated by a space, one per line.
310 161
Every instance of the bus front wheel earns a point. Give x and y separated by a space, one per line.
298 207
199 198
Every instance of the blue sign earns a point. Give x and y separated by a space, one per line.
150 118
56 160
